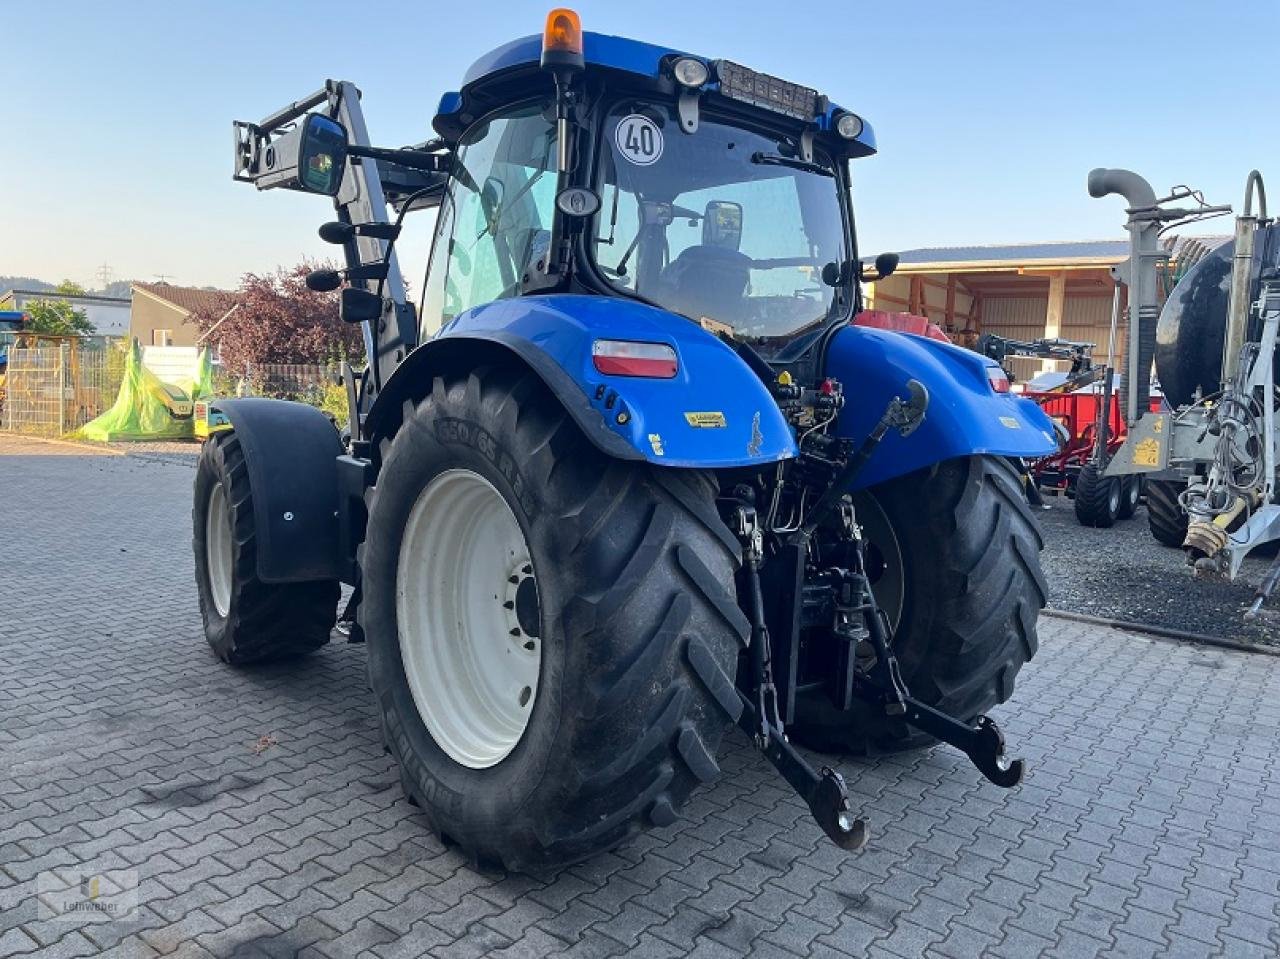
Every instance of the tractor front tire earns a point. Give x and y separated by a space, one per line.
1165 515
1098 498
970 594
245 619
570 683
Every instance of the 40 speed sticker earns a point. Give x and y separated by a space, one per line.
639 140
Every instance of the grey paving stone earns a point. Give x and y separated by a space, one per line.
1149 823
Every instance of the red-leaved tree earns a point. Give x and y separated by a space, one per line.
279 320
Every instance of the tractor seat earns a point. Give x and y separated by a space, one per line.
709 281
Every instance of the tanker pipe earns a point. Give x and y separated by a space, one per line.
1139 273
1126 183
1241 270
1255 180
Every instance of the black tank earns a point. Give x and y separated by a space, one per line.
1192 326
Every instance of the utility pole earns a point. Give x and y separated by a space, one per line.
162 277
105 275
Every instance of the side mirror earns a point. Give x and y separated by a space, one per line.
885 265
722 224
322 154
312 157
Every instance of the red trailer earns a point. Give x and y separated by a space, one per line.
1077 413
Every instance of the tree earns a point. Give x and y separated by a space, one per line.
58 317
278 320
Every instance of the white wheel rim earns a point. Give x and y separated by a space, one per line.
217 546
468 618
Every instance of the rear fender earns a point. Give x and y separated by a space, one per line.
714 414
966 416
291 451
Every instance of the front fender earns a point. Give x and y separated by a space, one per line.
291 452
714 414
965 417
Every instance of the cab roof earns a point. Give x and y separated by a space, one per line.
598 49
605 51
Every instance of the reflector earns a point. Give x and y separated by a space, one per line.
631 358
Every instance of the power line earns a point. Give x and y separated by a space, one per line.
162 277
105 275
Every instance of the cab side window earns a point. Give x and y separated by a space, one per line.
494 224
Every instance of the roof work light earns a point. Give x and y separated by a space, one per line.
690 72
849 126
562 41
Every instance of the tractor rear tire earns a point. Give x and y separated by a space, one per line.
620 603
973 589
245 619
1164 514
1098 498
1130 496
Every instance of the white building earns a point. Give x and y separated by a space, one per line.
108 314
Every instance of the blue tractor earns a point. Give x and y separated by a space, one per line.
626 475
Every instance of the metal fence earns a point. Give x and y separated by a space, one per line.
51 390
292 381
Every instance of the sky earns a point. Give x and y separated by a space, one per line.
988 115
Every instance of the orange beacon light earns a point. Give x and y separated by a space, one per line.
562 41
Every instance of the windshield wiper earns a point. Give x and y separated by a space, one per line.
795 163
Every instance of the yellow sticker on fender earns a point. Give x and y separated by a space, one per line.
706 421
1147 452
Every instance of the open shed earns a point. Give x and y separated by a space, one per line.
1023 291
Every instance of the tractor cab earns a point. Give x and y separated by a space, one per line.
624 169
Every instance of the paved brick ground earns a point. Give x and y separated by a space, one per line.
1149 824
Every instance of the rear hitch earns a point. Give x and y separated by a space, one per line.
882 683
983 742
822 790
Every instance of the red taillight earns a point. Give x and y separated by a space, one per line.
998 379
629 358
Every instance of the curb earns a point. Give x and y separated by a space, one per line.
1164 632
101 450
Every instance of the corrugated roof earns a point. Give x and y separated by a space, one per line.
1053 251
1018 253
186 298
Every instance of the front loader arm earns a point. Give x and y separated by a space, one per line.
367 186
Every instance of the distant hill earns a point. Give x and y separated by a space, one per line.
24 283
118 288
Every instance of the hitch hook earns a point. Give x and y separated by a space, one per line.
983 742
824 792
